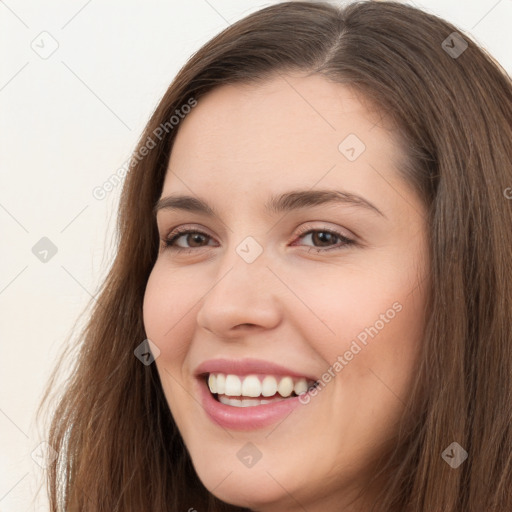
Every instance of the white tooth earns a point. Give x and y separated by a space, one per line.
250 402
223 399
246 402
221 383
285 387
212 383
269 386
251 386
233 386
301 386
272 401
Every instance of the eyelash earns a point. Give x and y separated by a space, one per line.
179 232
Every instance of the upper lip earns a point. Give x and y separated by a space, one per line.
247 367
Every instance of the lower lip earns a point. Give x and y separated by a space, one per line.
245 418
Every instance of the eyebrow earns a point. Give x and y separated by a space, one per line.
293 200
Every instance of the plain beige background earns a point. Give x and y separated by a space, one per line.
78 81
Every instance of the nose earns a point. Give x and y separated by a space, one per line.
242 297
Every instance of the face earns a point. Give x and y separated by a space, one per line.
262 302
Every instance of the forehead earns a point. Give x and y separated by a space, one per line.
288 131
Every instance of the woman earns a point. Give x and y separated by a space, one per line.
310 304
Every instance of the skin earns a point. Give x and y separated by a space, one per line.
292 305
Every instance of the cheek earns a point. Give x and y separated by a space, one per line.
168 305
343 304
168 308
374 321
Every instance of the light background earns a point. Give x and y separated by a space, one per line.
67 123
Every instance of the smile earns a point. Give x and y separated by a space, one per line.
248 394
253 390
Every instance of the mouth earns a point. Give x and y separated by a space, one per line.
248 394
255 389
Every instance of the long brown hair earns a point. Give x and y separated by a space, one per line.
119 448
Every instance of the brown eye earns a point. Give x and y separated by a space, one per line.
195 239
326 239
322 240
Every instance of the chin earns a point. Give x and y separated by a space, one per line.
253 488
